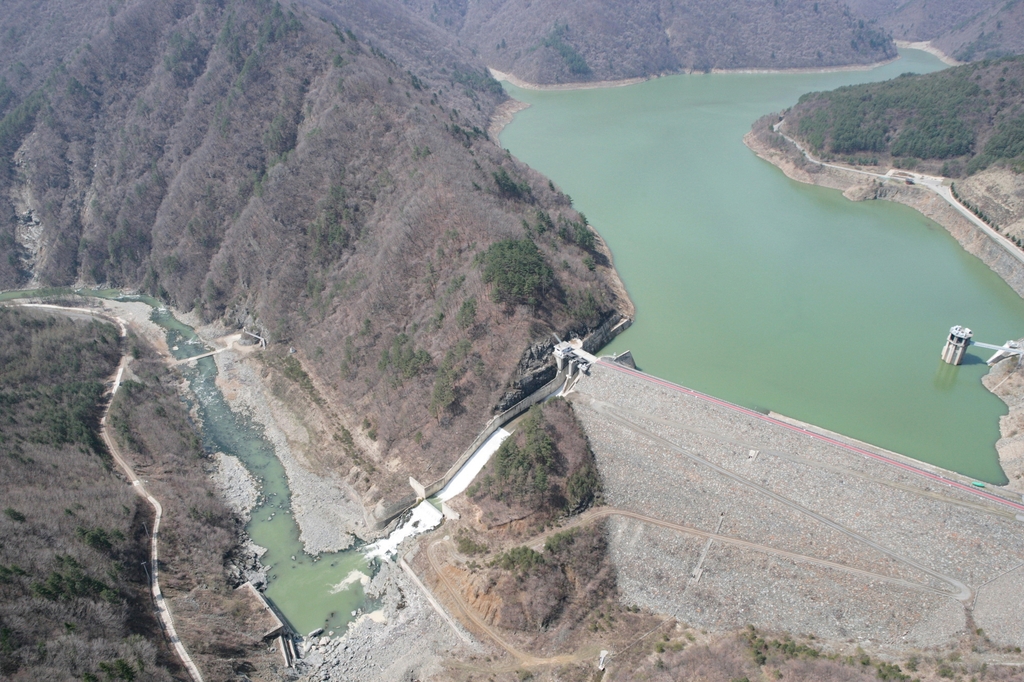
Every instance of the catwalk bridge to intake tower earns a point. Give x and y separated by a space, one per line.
959 340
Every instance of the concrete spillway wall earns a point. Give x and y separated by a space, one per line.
384 513
493 425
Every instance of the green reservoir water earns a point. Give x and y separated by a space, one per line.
770 293
748 286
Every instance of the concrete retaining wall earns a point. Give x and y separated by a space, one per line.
384 512
595 341
608 330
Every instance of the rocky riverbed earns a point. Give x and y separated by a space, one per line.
328 514
239 489
400 636
402 639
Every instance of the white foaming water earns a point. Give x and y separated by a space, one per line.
352 578
474 465
425 516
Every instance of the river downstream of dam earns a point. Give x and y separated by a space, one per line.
767 292
325 591
749 287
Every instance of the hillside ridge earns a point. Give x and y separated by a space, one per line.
966 30
548 42
319 174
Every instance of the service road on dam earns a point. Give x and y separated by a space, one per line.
717 512
722 516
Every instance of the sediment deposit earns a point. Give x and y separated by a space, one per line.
237 486
404 640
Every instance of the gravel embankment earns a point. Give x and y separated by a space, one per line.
1000 601
797 495
328 516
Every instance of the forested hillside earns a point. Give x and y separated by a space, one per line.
551 41
200 560
73 598
74 535
967 30
317 172
955 122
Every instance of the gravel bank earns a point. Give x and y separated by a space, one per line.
239 489
404 640
657 451
328 515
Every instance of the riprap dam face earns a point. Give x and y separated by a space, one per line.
729 518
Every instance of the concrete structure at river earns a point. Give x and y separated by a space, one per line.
777 524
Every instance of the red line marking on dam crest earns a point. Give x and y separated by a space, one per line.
817 436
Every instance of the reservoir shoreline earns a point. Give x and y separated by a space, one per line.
502 116
926 46
252 387
724 270
593 85
1002 379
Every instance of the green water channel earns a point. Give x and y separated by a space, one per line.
767 292
310 592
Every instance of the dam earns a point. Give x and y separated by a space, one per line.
723 516
780 278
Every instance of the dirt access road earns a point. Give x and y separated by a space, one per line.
902 567
162 609
526 660
939 185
